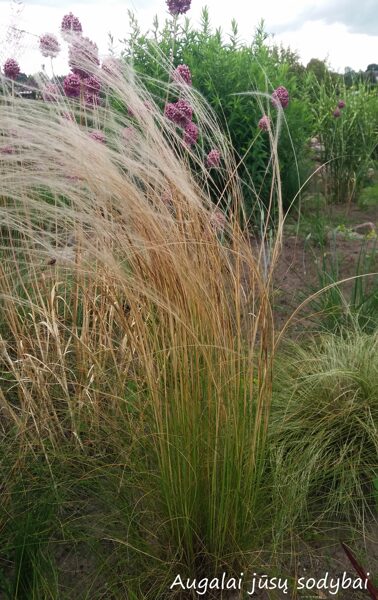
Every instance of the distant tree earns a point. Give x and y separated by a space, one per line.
371 74
318 68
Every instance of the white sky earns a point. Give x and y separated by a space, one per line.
343 31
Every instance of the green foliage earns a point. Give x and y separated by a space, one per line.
349 140
325 411
349 304
369 196
223 70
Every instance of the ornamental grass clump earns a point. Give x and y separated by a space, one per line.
136 328
325 415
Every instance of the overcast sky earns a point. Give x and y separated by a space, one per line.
345 32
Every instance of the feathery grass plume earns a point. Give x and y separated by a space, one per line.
121 312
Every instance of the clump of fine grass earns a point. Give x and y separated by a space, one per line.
128 319
339 304
324 430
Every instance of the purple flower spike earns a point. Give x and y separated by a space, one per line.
280 97
264 123
70 26
81 54
97 136
49 45
182 75
341 104
213 158
178 7
11 68
191 134
337 113
72 85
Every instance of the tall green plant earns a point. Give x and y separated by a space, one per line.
223 69
345 121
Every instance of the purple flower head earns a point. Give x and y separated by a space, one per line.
97 136
11 68
264 123
213 158
182 75
178 7
169 111
50 93
341 104
337 113
70 26
92 100
92 88
190 134
184 113
81 54
179 112
72 85
49 45
92 85
280 97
